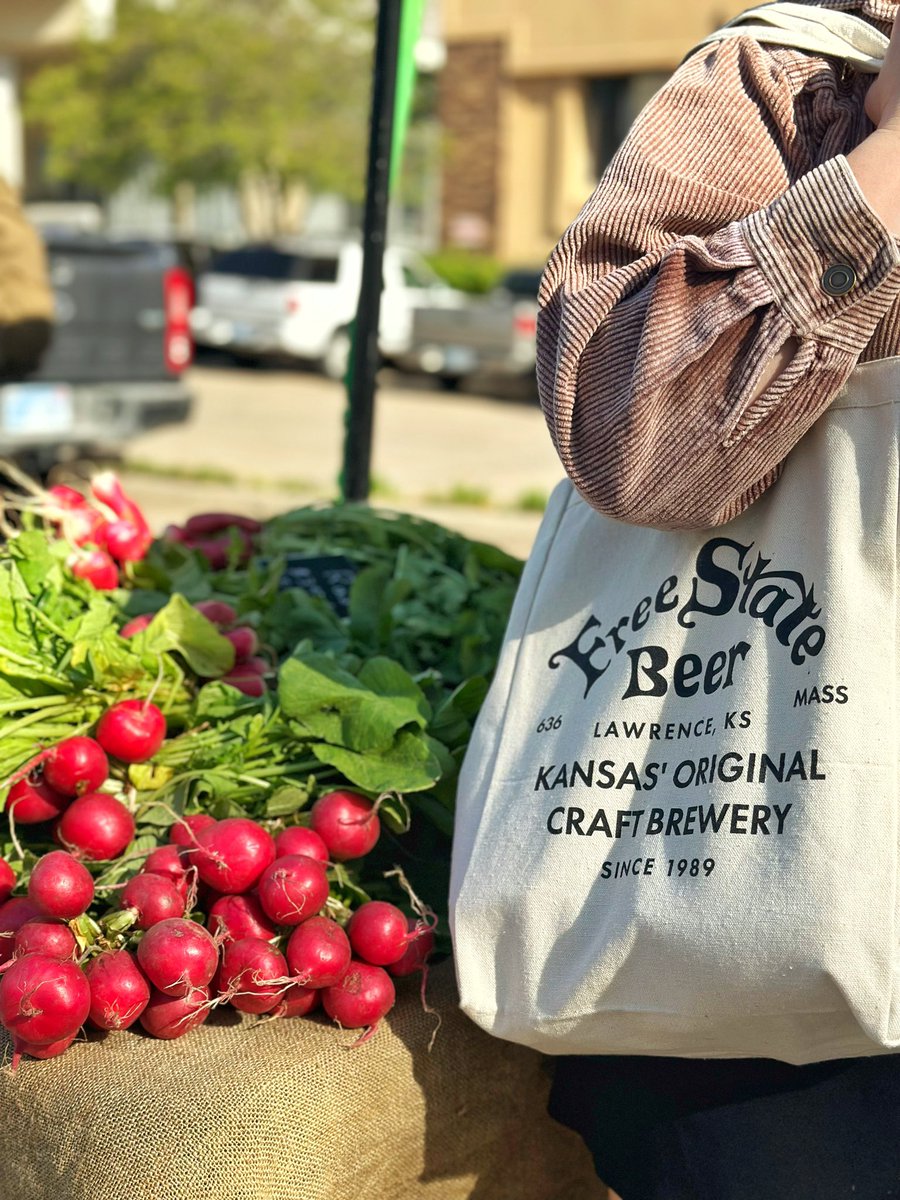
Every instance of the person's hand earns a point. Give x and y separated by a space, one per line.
883 98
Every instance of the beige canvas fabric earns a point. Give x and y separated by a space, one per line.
287 1110
677 825
25 292
807 27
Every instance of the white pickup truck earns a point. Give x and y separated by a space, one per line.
296 299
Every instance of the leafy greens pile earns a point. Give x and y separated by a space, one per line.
380 698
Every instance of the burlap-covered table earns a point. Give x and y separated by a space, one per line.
286 1110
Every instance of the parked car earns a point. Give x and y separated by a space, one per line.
492 335
297 299
120 345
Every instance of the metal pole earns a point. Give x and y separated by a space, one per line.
364 366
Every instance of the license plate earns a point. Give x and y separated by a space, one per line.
459 359
37 408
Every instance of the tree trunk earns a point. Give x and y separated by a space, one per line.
293 203
184 199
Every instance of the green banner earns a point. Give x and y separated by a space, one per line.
410 31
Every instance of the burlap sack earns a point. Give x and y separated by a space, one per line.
285 1110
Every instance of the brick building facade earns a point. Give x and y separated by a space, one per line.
534 97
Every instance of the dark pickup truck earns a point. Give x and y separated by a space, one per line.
121 341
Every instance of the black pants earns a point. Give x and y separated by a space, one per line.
22 346
738 1129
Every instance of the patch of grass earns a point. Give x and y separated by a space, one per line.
209 474
532 501
192 474
382 489
285 485
464 494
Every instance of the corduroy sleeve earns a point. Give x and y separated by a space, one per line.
702 251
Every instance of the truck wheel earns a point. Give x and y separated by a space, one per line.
336 358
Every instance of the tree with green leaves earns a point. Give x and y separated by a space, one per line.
213 92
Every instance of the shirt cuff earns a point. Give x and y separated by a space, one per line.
829 259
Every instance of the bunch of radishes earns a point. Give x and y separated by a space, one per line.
62 784
270 944
109 529
249 672
219 537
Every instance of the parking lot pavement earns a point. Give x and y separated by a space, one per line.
262 441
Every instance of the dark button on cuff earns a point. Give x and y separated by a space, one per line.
838 279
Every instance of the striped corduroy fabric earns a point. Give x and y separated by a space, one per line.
699 255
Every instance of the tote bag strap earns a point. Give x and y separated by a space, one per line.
823 31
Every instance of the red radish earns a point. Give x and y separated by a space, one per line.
97 568
232 854
96 826
300 840
173 1016
126 542
236 917
245 642
217 611
37 1050
378 933
184 831
347 823
417 951
119 989
45 935
297 1001
85 526
13 915
108 490
174 533
218 551
170 862
177 955
293 889
245 680
153 898
253 975
318 953
136 625
76 765
43 999
202 524
363 997
259 666
7 880
132 730
61 886
66 497
33 800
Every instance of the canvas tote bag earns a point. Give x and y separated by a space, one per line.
677 821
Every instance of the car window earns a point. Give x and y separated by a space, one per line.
323 269
254 262
269 262
522 284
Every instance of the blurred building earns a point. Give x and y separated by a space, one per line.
34 32
534 99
